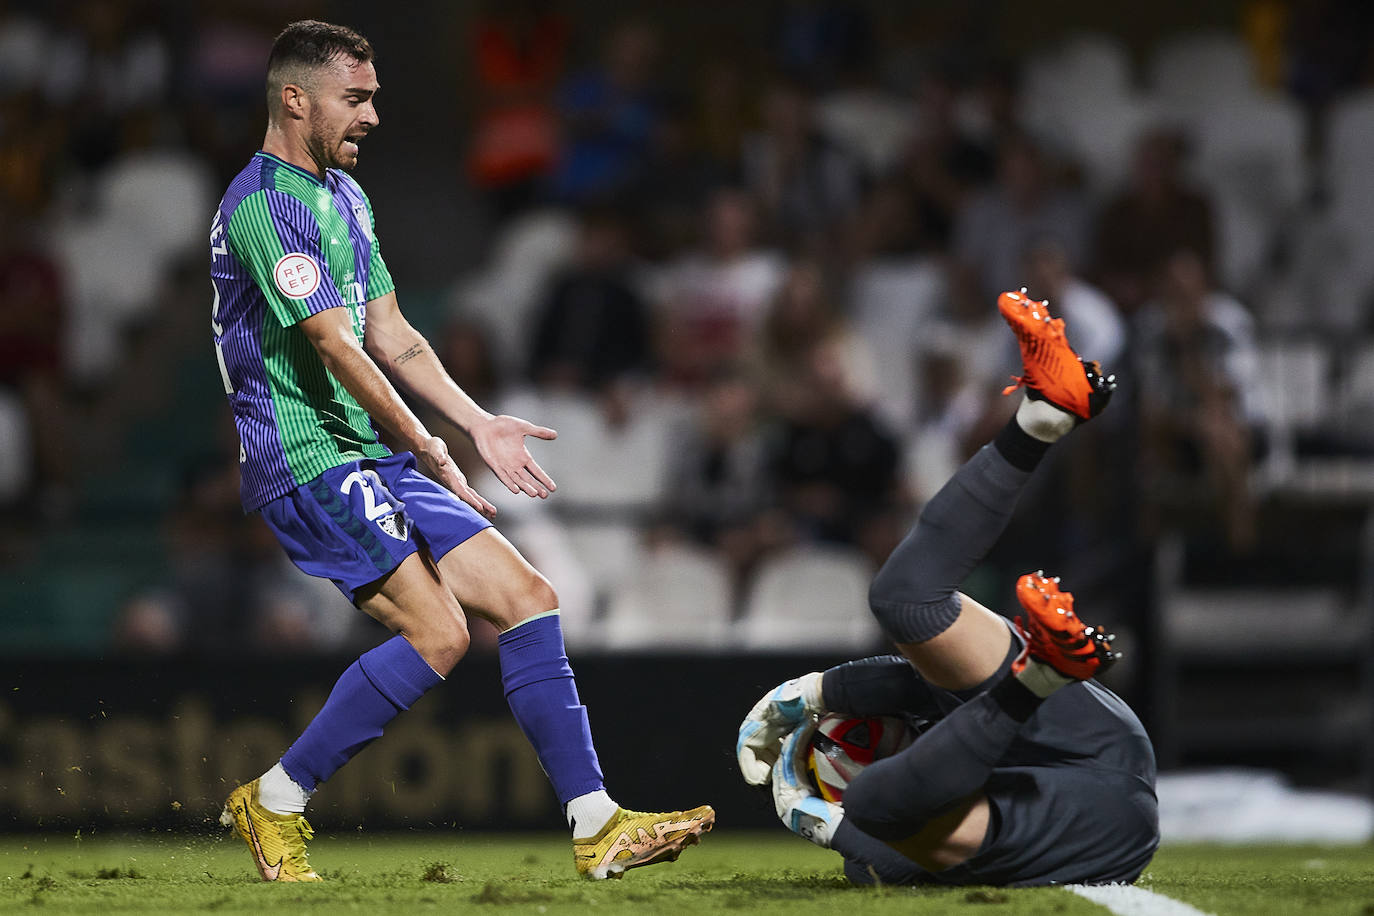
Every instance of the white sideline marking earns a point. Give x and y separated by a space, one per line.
1129 900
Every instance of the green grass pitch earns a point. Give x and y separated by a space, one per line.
739 872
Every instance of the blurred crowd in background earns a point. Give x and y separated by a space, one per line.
756 295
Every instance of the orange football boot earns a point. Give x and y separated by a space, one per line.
1052 370
1055 635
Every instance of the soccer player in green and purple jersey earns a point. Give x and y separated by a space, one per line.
310 340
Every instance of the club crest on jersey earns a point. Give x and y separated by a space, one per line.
364 221
395 525
297 275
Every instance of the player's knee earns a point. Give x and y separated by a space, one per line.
885 602
442 640
541 596
530 596
885 591
871 803
457 637
863 806
906 618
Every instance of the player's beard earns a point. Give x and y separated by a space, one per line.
326 146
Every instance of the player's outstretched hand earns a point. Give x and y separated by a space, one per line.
501 443
441 466
773 717
799 808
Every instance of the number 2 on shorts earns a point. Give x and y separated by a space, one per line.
371 505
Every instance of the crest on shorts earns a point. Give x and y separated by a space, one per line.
395 524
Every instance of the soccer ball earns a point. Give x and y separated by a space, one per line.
844 745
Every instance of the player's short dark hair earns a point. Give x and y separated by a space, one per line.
307 45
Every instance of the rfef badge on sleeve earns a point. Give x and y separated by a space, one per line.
297 275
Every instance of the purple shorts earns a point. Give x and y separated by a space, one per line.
355 523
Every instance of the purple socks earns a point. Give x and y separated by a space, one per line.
382 683
385 681
543 696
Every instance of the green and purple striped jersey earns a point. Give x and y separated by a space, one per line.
285 245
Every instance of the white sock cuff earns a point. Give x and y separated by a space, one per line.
280 794
1042 420
587 814
1041 679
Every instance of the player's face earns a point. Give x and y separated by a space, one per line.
341 112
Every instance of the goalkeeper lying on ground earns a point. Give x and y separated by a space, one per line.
1032 773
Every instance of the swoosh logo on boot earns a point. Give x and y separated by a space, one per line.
269 872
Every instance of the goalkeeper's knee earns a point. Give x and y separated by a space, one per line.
906 621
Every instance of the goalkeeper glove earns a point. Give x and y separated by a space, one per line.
801 810
776 715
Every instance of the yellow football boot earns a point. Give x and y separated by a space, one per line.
634 838
277 841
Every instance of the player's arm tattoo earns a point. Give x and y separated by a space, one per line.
410 354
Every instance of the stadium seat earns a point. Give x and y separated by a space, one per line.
111 279
1349 191
629 470
1349 131
1196 69
1250 146
1345 165
150 210
1089 62
1250 156
162 198
1102 132
810 598
872 126
1081 98
573 456
1357 383
893 302
676 598
609 469
525 254
1297 376
1082 67
610 476
608 550
547 544
1250 669
1298 396
931 456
